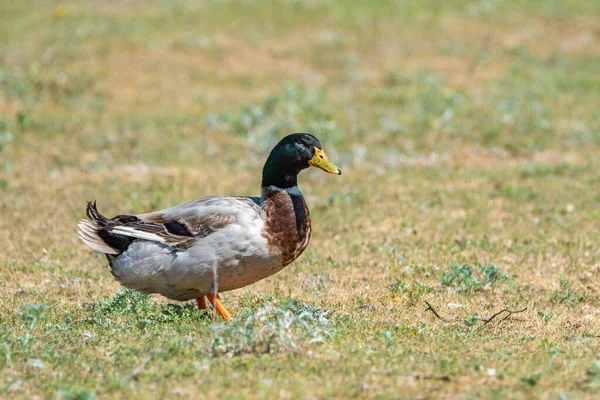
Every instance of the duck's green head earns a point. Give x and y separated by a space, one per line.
291 155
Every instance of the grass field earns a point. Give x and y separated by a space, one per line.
469 137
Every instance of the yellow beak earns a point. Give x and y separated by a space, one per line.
320 160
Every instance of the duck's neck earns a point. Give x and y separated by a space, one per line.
278 179
277 175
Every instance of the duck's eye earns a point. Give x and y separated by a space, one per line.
321 156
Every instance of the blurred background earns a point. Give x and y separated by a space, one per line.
105 92
466 130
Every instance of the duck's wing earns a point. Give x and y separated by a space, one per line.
181 225
178 227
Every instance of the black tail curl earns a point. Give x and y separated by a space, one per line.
94 215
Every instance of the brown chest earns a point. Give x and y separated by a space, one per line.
287 227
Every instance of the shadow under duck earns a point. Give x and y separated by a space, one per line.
197 249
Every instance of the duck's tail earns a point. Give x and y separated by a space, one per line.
95 232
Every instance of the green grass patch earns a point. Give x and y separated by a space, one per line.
468 278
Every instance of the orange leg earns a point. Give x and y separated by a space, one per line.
216 301
201 301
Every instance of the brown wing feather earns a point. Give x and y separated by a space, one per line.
182 233
207 224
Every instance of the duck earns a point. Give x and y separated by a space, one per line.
204 247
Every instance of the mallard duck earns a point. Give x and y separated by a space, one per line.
201 248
